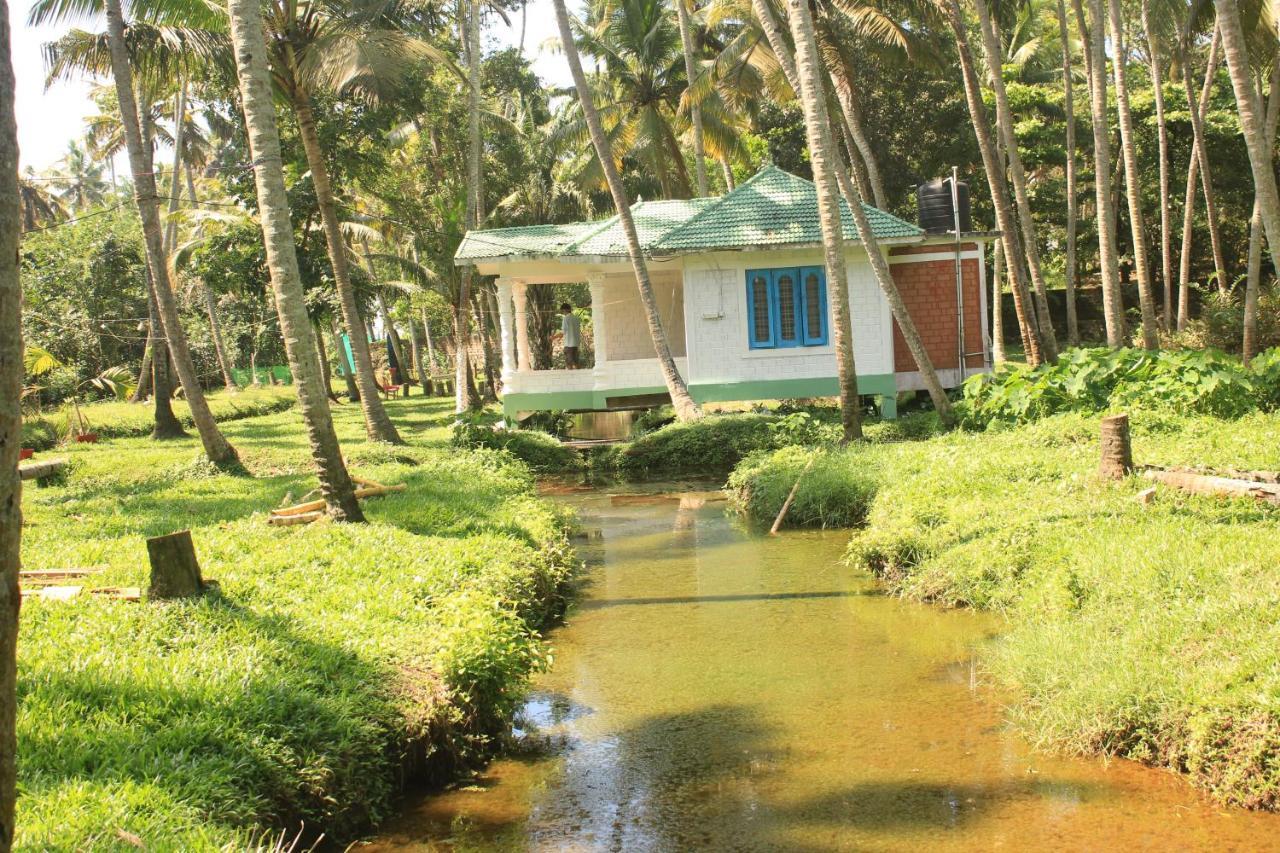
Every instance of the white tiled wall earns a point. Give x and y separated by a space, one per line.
715 317
625 320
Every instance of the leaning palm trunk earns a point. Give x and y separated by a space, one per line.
1199 114
469 36
1133 188
10 431
847 92
686 408
695 111
818 134
1073 322
216 447
1162 135
211 306
377 423
853 196
1250 339
993 164
277 232
1252 123
164 423
340 355
1018 178
1112 304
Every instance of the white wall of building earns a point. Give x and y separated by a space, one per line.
715 300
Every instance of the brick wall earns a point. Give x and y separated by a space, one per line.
929 290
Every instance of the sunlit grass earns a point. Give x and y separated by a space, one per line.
328 655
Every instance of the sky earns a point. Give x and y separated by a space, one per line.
49 120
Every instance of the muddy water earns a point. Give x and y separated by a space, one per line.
718 690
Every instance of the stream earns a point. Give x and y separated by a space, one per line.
718 689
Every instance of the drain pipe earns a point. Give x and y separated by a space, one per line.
955 212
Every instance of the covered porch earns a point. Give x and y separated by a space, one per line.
625 372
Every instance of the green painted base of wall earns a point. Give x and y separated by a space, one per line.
881 385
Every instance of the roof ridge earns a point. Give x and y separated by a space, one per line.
603 226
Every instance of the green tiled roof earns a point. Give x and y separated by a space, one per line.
774 208
529 241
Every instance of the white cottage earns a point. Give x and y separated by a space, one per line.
741 289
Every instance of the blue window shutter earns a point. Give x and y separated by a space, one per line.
786 311
760 310
813 305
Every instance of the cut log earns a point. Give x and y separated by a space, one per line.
41 470
1204 484
175 572
1117 453
298 518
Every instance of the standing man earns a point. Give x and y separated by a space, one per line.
571 330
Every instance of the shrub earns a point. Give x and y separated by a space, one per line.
653 419
543 453
711 445
836 488
38 433
1094 380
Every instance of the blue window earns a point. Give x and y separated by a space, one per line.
786 307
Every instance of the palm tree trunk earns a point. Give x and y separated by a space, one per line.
1252 123
469 32
377 424
1073 322
489 385
144 369
175 194
323 357
1162 134
695 112
1018 177
993 164
1112 304
1250 340
165 423
211 306
728 175
216 447
686 408
415 346
11 375
1132 180
997 308
397 346
813 100
1199 113
282 261
847 93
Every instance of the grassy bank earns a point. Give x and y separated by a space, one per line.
116 419
330 660
1147 631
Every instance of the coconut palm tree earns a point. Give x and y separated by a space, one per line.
695 110
994 54
277 233
993 165
1252 122
1155 42
884 278
11 352
39 206
79 179
1250 338
1202 164
1132 180
216 447
813 100
1112 306
469 38
1069 117
686 408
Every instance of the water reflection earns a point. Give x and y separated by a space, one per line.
715 690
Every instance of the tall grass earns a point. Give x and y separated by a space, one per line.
329 661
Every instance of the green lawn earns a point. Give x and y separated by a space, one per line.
330 658
1149 631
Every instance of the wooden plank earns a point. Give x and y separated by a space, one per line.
48 576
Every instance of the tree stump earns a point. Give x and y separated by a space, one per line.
1117 453
175 573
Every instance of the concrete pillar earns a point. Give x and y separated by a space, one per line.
598 322
520 294
505 324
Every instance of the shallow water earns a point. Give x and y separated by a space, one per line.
716 689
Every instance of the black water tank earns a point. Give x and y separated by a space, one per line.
933 201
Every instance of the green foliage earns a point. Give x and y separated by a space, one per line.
541 452
329 660
1094 380
1222 318
652 419
712 445
1142 630
836 488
